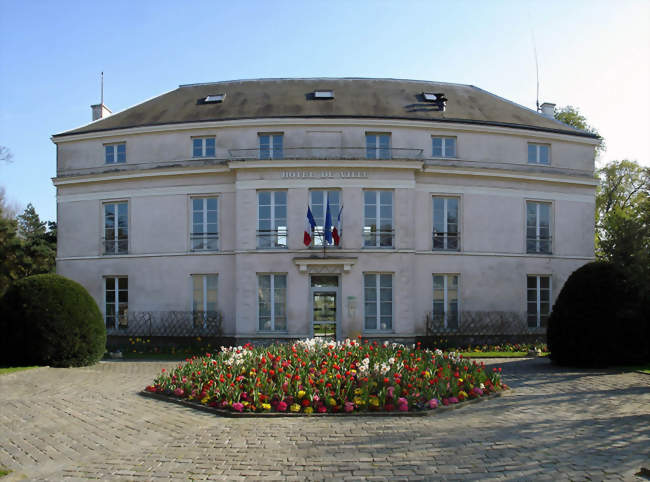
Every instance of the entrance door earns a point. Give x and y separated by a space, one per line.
324 302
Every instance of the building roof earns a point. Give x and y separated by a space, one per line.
353 98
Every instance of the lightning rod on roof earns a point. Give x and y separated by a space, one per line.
102 94
532 33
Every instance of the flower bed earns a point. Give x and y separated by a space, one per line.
315 376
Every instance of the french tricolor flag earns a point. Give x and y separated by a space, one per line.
336 232
310 224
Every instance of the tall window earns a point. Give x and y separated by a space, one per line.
378 301
115 153
318 203
378 146
272 219
272 302
378 219
538 300
204 298
271 146
203 147
445 301
116 228
538 227
538 153
445 223
205 229
116 302
444 146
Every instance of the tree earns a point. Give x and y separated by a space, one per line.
572 116
5 154
623 218
27 247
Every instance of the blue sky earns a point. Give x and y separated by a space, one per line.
592 54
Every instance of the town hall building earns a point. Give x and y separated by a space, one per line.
429 204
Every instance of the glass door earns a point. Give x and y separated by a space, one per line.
324 305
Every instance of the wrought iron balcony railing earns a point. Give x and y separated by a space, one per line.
446 241
272 238
384 238
115 246
335 153
539 245
204 241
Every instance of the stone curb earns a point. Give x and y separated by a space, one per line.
231 414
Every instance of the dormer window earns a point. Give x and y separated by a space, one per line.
436 98
214 98
323 94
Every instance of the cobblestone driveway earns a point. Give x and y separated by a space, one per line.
556 424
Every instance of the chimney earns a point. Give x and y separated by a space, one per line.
100 111
548 110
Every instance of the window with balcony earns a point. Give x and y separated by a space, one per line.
538 227
116 227
204 298
378 229
445 301
538 297
378 301
115 153
271 146
272 302
271 219
203 147
538 153
443 147
318 200
378 146
205 228
446 236
116 302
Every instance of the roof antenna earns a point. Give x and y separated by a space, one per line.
102 101
532 33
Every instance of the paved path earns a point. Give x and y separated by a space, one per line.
557 424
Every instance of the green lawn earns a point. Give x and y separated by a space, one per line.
4 370
496 354
639 368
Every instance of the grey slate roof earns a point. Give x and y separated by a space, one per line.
354 98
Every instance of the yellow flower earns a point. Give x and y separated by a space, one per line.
266 406
309 410
301 393
205 400
357 391
462 393
332 402
294 407
460 379
427 374
374 401
359 401
246 404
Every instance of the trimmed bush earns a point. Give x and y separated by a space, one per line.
598 320
50 320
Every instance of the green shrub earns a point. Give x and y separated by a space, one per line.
50 320
598 319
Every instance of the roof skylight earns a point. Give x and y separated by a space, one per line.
323 94
214 98
430 96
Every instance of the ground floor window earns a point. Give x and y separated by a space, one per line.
204 297
538 289
378 301
272 302
116 301
445 301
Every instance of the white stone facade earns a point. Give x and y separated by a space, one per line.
489 178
